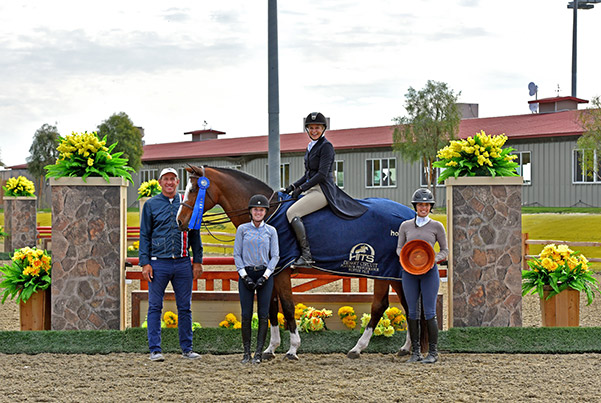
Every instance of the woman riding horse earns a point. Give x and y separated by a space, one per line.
317 186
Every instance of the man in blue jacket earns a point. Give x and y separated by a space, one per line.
165 257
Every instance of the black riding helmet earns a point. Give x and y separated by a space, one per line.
258 201
422 196
316 118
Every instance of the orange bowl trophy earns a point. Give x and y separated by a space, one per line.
417 257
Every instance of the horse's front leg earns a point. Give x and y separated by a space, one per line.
274 340
378 307
398 288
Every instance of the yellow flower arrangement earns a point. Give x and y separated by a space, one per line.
481 155
134 246
28 272
397 318
559 267
281 320
19 187
230 322
149 189
347 316
298 310
311 319
392 320
170 319
84 154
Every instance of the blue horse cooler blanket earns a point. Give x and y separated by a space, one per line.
363 247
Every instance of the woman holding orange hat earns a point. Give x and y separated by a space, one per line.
424 228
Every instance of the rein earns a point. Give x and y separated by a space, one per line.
217 218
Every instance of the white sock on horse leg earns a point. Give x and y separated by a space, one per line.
363 341
407 345
274 340
294 342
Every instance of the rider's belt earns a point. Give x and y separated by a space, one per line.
255 268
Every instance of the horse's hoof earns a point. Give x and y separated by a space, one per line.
403 353
353 355
292 357
268 356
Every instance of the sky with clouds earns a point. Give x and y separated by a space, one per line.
173 65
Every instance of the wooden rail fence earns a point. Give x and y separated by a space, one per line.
133 234
526 242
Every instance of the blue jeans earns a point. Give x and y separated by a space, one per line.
179 272
427 284
263 296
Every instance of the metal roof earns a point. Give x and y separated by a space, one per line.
515 127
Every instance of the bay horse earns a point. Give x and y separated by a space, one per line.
231 189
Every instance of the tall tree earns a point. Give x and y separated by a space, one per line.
41 153
590 119
119 128
432 120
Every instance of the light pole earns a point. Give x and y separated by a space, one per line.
582 5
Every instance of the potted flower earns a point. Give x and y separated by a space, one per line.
84 154
347 316
89 198
27 278
146 191
483 199
19 187
556 274
149 188
481 155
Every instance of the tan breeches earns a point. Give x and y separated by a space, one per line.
312 200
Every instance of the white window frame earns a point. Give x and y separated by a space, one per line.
369 167
148 174
584 179
339 169
520 169
424 181
284 174
183 179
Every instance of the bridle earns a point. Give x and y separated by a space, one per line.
216 218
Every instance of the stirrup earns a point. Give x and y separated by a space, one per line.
303 262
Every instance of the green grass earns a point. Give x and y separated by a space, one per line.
226 341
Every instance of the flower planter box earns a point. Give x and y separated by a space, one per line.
35 312
20 223
89 245
484 227
562 309
141 202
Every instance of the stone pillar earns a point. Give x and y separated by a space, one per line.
20 223
89 234
141 203
484 225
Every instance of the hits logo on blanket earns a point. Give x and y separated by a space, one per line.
361 259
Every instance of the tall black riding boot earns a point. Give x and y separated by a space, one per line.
246 336
432 357
261 334
305 259
413 325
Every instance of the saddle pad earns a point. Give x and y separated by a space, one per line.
362 247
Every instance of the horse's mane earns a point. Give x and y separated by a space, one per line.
243 177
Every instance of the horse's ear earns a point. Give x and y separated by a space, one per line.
190 169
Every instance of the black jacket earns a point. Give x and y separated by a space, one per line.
319 164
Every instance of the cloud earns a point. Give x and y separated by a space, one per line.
67 53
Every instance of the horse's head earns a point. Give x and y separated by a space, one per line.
229 188
187 206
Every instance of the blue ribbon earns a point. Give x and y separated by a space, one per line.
196 219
